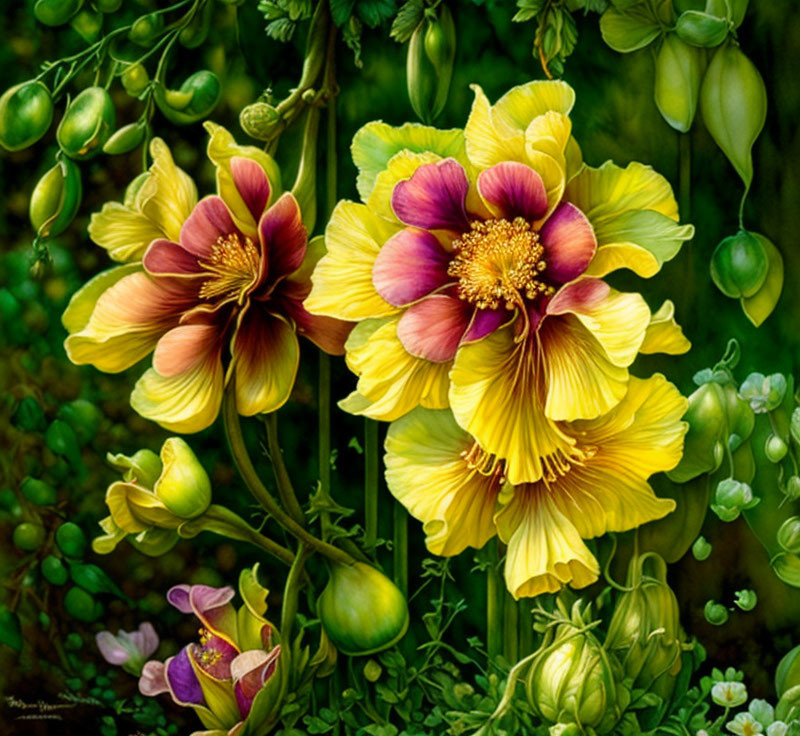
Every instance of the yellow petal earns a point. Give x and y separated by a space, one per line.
613 256
545 551
391 381
664 334
427 472
79 310
342 280
496 394
124 232
521 104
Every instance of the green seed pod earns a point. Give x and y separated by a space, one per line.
733 101
372 671
146 29
29 416
421 75
26 111
775 448
739 265
746 599
108 6
71 540
789 535
741 419
135 79
88 25
440 48
54 571
125 139
55 12
787 675
361 609
701 29
28 536
715 613
793 488
84 418
87 123
701 549
56 199
38 492
259 120
195 100
81 605
679 70
61 439
194 34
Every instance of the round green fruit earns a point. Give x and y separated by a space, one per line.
28 536
54 571
71 540
87 124
26 112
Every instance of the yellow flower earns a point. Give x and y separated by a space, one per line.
474 268
463 496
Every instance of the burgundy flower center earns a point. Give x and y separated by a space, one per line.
233 268
213 654
499 261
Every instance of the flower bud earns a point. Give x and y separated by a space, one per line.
789 535
715 613
26 111
741 419
775 448
787 675
143 467
739 265
87 123
764 393
701 29
146 29
183 486
731 498
88 25
701 549
746 599
361 609
259 120
56 199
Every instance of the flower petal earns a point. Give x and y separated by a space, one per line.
401 166
165 258
252 183
112 649
283 237
434 197
265 359
512 189
569 243
426 471
484 322
327 333
432 328
664 334
545 550
79 310
209 221
182 680
124 232
411 264
342 280
153 679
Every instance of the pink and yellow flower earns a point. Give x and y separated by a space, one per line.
474 270
218 301
463 496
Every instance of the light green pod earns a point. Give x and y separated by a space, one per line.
679 70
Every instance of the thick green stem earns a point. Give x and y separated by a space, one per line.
371 464
525 627
291 592
282 479
233 432
510 628
494 608
400 550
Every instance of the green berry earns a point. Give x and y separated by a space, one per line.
29 537
71 540
54 571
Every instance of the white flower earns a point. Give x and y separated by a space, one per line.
729 694
744 725
777 728
762 711
702 732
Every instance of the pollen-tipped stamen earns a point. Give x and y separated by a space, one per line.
233 267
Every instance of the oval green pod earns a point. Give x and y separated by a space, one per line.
56 12
701 29
420 75
87 123
71 540
125 139
193 101
679 70
81 605
38 492
135 79
28 536
88 25
739 265
196 32
26 112
733 101
146 29
56 199
54 571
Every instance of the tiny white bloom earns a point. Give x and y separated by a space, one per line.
762 711
729 694
744 725
777 728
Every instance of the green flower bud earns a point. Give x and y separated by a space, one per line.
792 489
789 535
764 393
56 199
739 265
701 29
701 549
678 72
429 64
26 112
71 540
787 675
195 100
81 605
194 34
62 440
55 12
731 497
54 571
135 79
746 599
125 139
38 492
786 567
361 610
372 671
775 448
146 29
143 467
28 536
259 120
87 123
741 419
183 486
794 427
715 613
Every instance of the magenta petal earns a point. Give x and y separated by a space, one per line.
410 265
569 243
113 650
163 257
251 670
580 294
209 221
147 641
283 237
222 654
252 183
434 197
178 596
484 322
204 598
512 189
182 680
432 328
153 679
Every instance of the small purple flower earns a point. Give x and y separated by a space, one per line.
129 650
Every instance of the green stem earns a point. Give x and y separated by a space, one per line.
400 550
233 432
324 421
282 479
525 627
510 628
291 592
370 483
685 175
741 206
494 611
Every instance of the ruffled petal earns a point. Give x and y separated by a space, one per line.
434 197
569 243
265 359
113 650
432 328
123 231
411 265
342 280
165 258
209 221
426 471
664 334
182 680
327 333
283 237
401 166
545 550
153 680
177 351
252 183
512 189
79 310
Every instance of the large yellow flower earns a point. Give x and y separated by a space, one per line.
474 270
463 496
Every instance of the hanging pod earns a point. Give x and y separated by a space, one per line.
56 12
87 124
126 139
26 111
739 265
679 70
56 198
194 100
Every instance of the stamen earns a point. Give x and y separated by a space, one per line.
233 267
484 463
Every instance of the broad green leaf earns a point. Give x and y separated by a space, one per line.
759 306
629 30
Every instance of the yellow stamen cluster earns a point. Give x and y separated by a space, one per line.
482 462
499 261
233 267
206 656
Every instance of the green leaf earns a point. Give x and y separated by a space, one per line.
94 580
759 306
10 632
629 30
373 12
341 10
408 18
